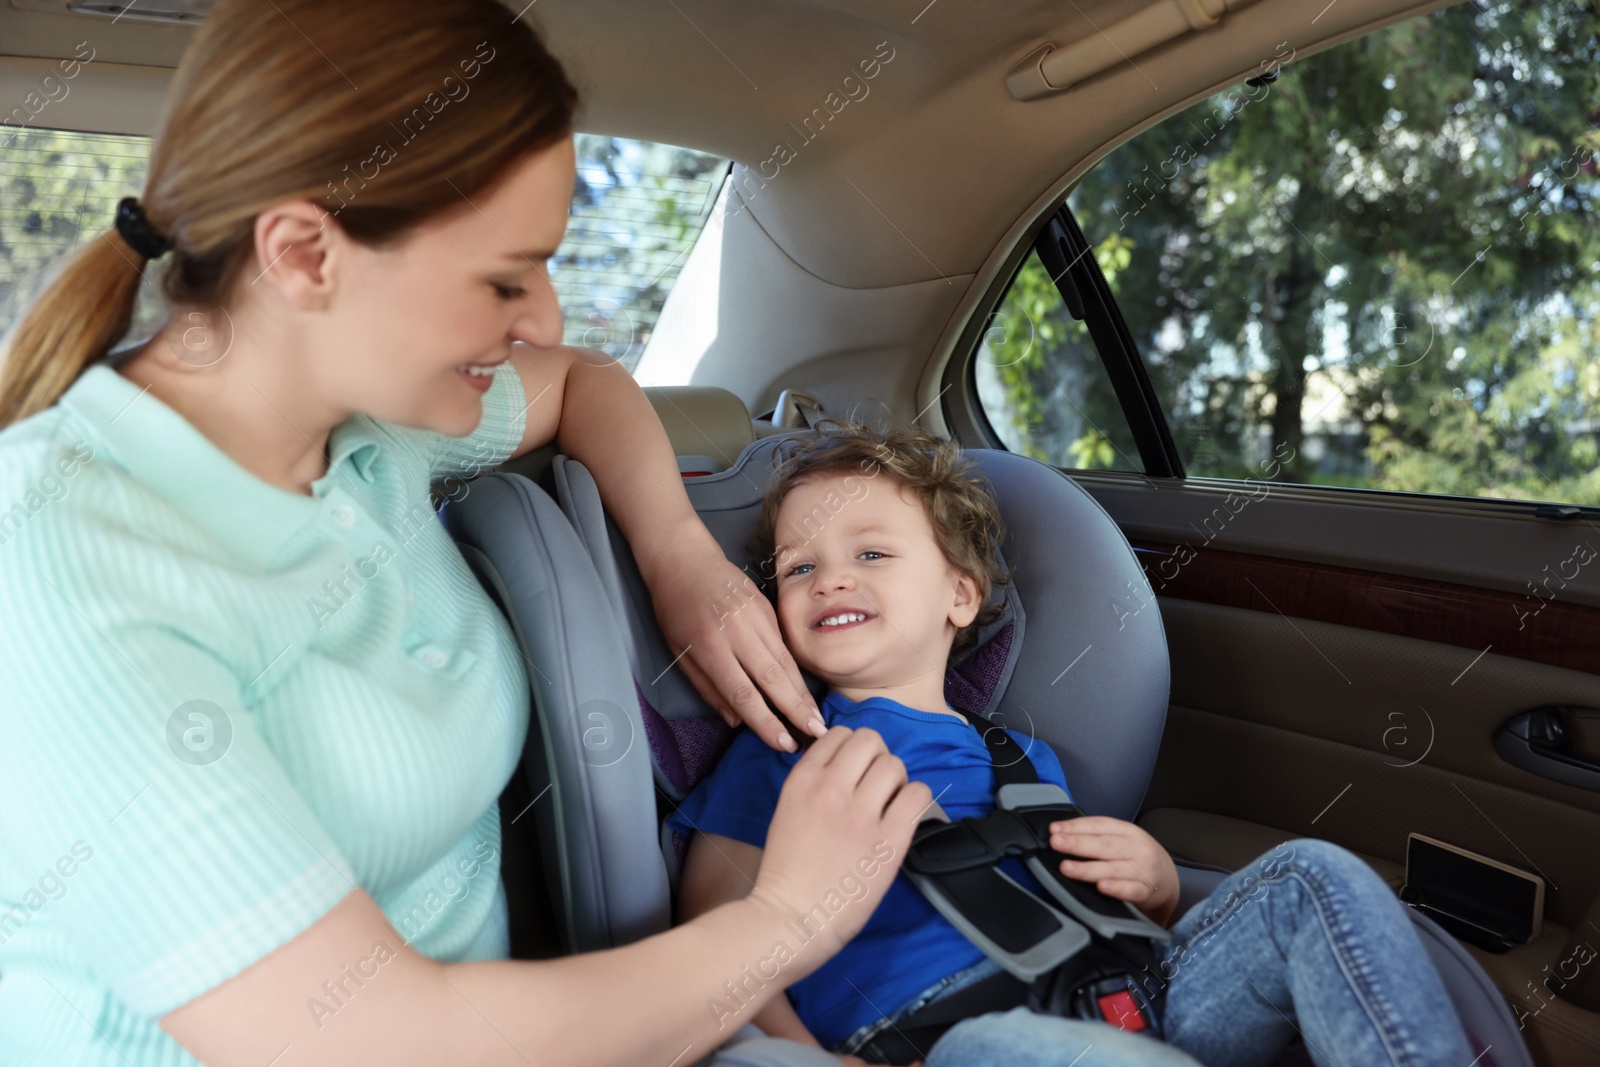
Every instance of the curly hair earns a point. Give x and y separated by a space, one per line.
958 500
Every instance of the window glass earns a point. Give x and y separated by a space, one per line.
1040 380
1381 269
637 209
57 189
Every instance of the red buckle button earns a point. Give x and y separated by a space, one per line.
1121 1010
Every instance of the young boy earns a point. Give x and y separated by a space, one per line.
883 549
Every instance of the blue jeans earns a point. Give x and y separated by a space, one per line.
1307 938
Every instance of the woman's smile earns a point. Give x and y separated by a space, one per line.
477 379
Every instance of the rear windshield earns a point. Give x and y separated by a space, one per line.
637 208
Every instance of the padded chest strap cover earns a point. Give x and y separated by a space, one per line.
1081 949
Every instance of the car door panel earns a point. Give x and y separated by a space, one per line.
1286 727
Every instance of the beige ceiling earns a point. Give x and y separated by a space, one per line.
918 180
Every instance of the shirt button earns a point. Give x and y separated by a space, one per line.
344 515
439 660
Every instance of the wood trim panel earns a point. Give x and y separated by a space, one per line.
1535 626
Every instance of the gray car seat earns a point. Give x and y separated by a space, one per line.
1078 659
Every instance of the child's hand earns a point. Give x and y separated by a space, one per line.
1122 860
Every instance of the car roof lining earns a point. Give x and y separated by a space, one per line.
917 180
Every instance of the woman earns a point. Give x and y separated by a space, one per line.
257 711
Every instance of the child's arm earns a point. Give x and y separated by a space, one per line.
1123 861
718 870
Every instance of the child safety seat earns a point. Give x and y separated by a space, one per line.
617 737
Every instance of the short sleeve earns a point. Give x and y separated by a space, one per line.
1046 764
737 799
143 819
499 432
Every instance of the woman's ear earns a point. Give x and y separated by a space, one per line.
967 603
296 243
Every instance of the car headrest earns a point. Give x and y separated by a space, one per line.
703 421
707 426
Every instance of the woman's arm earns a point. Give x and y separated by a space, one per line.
710 611
593 409
719 870
650 1002
622 1005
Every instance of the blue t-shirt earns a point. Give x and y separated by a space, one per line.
906 946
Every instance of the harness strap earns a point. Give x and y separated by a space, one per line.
955 867
912 1038
1011 763
1080 960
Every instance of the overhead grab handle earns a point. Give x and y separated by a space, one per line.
1049 69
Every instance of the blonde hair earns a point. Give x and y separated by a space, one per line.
384 112
960 505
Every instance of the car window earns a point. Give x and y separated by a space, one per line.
1040 381
637 208
1381 269
57 189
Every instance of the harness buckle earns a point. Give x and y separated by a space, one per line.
1120 1007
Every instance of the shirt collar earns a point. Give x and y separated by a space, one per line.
160 448
836 703
351 440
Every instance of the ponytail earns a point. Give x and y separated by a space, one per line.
83 311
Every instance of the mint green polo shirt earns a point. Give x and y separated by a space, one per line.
224 706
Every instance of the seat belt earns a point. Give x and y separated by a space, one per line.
1080 954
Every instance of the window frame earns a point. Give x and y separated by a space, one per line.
1062 244
1058 241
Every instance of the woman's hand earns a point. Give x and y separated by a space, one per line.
726 636
843 822
1122 860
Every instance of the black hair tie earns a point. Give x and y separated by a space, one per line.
135 229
